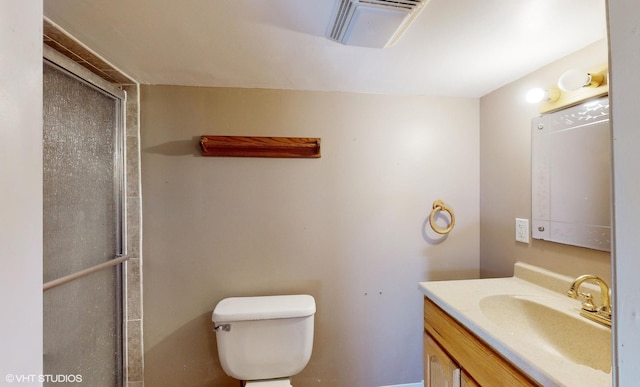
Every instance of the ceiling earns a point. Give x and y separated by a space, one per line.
460 48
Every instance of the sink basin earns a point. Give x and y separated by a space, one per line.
557 330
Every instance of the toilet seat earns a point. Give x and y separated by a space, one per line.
285 382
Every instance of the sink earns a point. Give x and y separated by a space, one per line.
529 321
556 329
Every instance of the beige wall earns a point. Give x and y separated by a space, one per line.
349 228
505 178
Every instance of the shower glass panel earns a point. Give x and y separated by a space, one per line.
82 228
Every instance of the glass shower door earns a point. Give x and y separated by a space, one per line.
83 214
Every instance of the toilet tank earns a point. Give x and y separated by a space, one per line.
264 337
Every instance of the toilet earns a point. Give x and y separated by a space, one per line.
264 340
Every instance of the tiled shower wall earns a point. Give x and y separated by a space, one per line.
134 365
132 269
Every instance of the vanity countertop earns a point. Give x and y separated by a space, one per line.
521 342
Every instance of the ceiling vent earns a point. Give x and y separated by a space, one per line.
372 23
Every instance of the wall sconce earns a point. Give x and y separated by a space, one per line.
542 95
574 79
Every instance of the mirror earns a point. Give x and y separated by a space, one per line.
571 176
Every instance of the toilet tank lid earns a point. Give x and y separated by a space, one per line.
263 308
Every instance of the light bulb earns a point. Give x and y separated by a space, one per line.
535 95
573 80
538 95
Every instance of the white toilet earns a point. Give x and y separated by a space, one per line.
264 340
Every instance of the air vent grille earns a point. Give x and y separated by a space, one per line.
345 10
401 12
405 4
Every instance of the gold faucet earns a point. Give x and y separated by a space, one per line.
601 315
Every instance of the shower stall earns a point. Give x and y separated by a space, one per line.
84 226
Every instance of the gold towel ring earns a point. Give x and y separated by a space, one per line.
438 206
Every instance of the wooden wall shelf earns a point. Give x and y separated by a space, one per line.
239 146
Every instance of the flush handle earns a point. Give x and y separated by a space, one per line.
223 327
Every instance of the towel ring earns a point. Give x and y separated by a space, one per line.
438 206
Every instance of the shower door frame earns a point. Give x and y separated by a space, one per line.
72 69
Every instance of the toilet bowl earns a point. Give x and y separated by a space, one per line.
264 340
286 382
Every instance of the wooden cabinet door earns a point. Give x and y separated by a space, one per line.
483 363
467 381
439 369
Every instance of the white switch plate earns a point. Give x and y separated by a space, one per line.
522 230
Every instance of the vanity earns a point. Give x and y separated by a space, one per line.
518 331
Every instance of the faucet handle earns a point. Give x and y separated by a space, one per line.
587 303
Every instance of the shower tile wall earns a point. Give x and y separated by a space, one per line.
133 323
133 349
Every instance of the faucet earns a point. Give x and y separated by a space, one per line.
601 315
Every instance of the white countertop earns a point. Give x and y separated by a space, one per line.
461 299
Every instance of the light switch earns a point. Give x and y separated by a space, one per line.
522 230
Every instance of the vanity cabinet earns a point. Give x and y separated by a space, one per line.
453 356
467 381
439 369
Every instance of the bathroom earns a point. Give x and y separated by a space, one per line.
348 228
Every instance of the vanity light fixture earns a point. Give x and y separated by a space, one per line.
573 88
575 79
538 94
